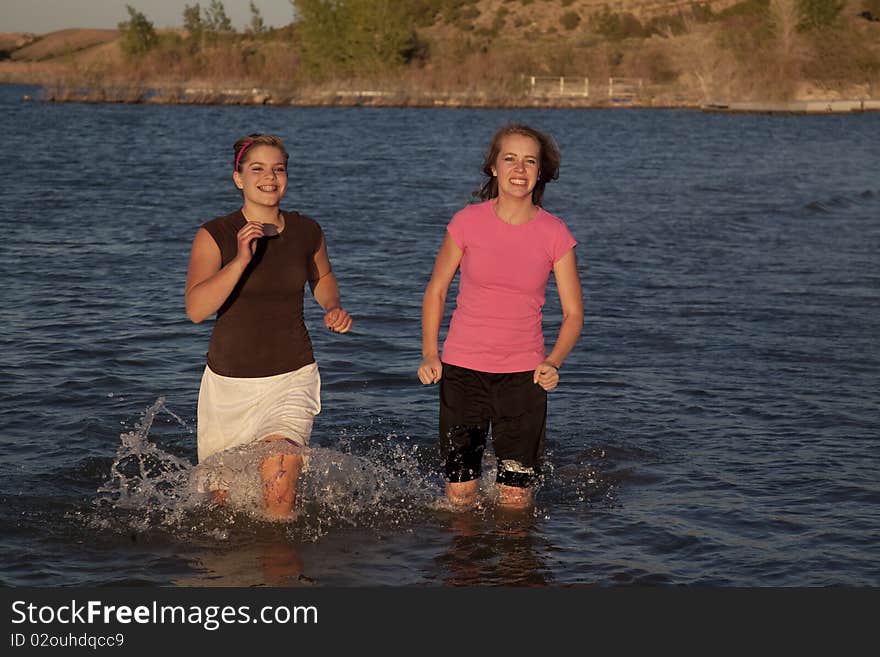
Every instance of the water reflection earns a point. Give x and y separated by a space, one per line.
498 548
269 562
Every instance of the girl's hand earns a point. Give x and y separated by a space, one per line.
337 320
431 370
547 375
247 241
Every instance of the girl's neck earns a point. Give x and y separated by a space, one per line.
265 214
514 211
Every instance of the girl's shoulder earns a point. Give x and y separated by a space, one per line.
304 227
228 224
550 218
551 222
476 209
472 212
298 219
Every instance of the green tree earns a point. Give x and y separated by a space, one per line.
216 19
353 36
193 22
137 33
257 26
819 14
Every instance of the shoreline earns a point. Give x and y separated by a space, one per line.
181 95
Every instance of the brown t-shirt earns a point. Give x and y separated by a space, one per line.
260 330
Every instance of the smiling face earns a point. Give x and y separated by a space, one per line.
262 175
517 166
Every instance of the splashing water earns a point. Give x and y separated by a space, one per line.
151 489
150 484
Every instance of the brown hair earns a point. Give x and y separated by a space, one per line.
548 166
239 155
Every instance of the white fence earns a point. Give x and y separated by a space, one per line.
558 87
624 88
619 89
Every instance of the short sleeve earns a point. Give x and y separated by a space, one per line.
563 241
224 230
319 236
456 230
314 236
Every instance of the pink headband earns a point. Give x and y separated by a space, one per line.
241 151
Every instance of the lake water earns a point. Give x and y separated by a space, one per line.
718 424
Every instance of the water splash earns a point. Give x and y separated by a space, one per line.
585 478
152 490
148 485
374 482
385 488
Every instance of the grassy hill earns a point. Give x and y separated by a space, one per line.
480 52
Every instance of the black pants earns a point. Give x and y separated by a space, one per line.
511 403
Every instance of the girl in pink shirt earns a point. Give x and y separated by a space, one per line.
494 370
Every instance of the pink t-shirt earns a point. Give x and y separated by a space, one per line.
496 326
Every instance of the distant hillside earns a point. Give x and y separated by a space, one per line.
532 18
11 41
480 52
63 43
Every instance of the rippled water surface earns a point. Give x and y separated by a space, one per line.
717 424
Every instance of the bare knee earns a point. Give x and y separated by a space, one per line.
279 474
282 465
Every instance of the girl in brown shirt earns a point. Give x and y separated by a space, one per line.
261 382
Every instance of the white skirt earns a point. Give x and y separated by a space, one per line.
236 411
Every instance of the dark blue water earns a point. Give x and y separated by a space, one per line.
719 423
